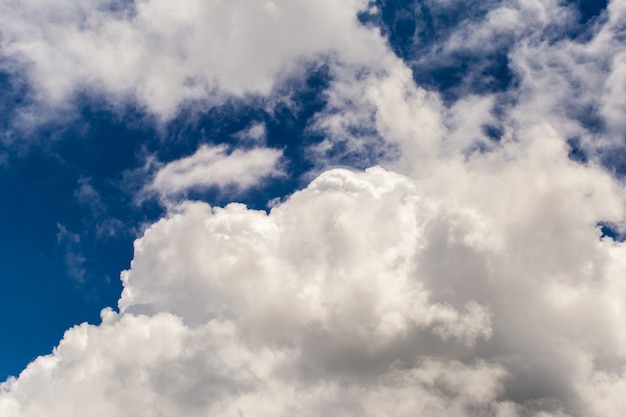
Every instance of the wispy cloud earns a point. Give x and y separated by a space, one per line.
74 260
214 166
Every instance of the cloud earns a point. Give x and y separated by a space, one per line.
556 70
466 277
479 292
74 260
87 195
288 312
153 366
214 166
146 52
378 115
255 134
574 83
556 73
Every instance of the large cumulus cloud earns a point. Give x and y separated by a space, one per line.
364 294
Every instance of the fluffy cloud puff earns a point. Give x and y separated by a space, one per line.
364 294
148 51
213 166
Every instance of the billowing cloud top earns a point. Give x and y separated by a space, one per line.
364 294
466 275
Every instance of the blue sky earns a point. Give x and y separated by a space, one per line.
433 191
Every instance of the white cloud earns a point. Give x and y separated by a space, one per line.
255 134
481 290
275 313
379 114
153 366
214 166
162 55
573 83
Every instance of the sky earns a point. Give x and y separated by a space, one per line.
313 208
